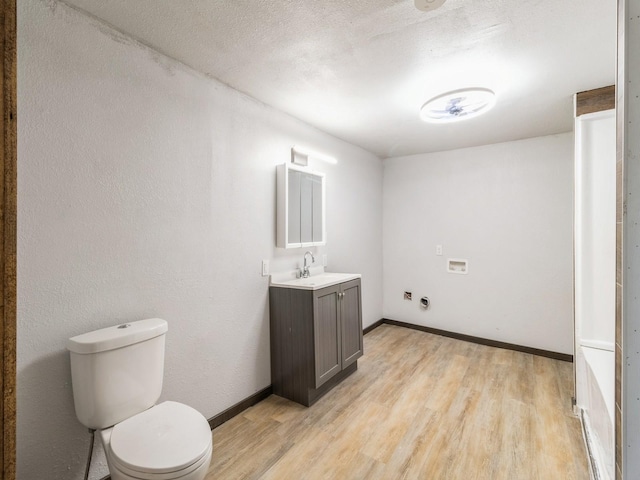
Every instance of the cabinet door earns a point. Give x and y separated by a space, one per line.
351 320
327 333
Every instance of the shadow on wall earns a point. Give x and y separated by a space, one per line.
262 341
49 410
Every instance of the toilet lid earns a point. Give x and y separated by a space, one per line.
165 438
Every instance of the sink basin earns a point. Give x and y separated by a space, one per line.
314 282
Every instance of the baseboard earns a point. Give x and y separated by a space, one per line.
482 341
373 326
240 407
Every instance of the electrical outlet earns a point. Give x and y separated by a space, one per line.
438 249
407 296
265 268
324 260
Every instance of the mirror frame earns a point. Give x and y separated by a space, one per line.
282 206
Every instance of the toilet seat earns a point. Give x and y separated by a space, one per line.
166 441
179 474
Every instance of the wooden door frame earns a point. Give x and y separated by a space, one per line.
8 239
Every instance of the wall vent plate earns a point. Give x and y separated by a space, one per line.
428 5
457 265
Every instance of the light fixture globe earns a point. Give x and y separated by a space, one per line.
458 105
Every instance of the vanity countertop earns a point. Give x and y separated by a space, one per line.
317 280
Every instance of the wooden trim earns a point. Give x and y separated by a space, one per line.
8 243
621 131
483 341
373 326
596 100
239 407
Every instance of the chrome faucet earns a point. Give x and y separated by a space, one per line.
305 270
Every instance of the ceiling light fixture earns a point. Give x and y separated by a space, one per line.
458 105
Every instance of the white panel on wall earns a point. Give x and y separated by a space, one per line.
147 189
595 280
507 210
595 229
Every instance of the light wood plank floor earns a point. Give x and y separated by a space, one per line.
420 406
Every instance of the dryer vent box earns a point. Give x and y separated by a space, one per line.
457 265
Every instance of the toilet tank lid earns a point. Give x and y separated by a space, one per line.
117 336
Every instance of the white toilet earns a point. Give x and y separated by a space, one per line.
117 379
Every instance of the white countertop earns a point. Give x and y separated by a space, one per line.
317 280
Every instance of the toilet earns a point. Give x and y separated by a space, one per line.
117 377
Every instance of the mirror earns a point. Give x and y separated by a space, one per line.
300 207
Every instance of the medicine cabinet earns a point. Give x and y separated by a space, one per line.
300 207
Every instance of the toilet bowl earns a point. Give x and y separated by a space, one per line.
117 375
168 441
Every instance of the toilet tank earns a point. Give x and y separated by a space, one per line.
117 372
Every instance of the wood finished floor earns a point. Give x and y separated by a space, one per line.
420 406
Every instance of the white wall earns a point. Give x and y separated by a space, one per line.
147 189
507 208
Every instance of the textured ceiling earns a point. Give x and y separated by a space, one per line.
360 70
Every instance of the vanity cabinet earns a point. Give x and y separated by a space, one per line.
316 339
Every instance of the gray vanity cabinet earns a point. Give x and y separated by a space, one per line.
316 339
